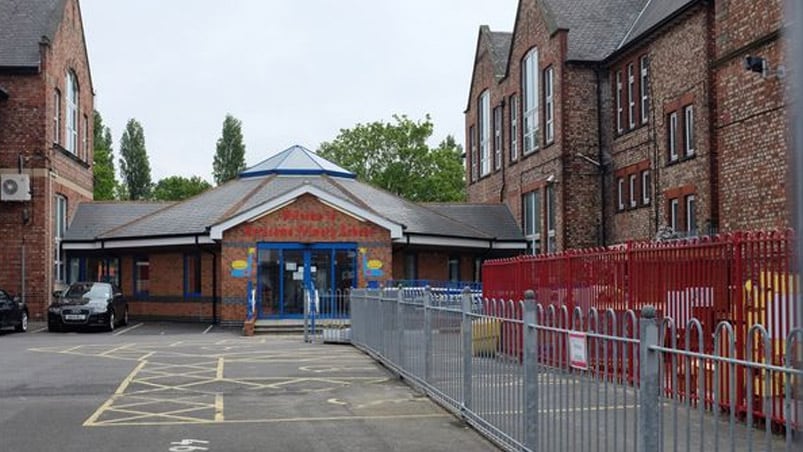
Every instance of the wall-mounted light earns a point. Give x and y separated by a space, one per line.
550 179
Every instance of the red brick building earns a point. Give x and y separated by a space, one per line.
290 223
602 121
46 105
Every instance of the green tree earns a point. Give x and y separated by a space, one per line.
178 188
105 181
396 157
135 170
230 152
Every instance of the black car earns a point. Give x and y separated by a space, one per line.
13 312
88 304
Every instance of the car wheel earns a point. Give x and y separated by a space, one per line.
124 321
110 326
23 325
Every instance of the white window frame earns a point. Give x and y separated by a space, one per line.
691 215
674 214
632 194
551 220
688 129
514 128
59 228
646 187
530 94
85 142
631 96
484 121
57 116
619 111
472 143
644 87
531 215
549 105
673 133
621 193
71 123
497 137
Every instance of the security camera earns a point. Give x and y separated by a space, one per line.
550 179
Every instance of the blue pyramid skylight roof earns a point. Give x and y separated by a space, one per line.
297 160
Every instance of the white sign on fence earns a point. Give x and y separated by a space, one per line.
578 356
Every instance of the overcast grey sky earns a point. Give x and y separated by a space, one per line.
294 71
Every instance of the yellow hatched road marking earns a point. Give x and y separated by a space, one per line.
219 408
288 420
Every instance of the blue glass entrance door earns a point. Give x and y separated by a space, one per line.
285 270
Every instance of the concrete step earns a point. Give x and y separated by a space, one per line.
289 326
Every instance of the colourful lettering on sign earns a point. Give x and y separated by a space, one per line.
321 232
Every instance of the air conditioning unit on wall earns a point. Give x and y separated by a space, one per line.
15 187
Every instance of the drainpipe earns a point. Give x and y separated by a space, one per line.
794 17
603 240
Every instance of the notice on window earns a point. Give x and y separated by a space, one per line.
298 275
578 353
290 266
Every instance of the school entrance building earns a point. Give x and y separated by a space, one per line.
291 223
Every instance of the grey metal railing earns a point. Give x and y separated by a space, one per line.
327 316
533 377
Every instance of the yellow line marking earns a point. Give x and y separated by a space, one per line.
121 332
120 389
124 385
108 352
283 420
167 414
153 401
219 408
92 420
220 368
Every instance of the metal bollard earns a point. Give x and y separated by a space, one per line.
428 348
649 382
467 354
530 371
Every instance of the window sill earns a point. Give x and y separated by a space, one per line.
681 159
632 209
629 130
533 152
70 155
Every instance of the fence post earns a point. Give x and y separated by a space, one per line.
428 348
400 327
530 371
467 352
649 382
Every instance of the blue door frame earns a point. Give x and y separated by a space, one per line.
307 250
